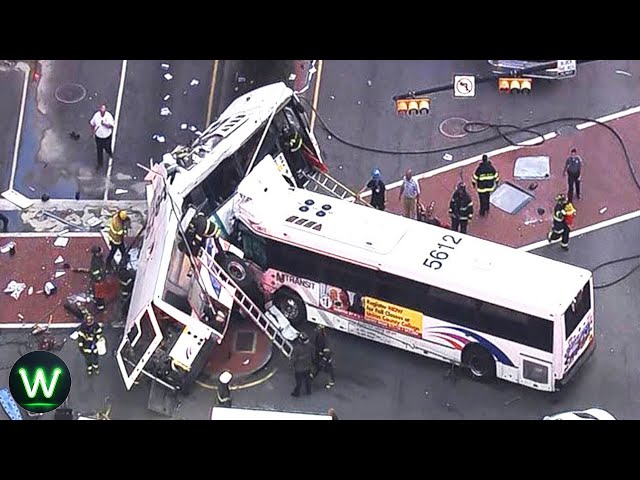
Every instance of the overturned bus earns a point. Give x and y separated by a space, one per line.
183 301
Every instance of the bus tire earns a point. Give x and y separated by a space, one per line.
479 362
291 306
237 269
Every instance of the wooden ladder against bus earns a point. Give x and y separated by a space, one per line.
321 182
249 308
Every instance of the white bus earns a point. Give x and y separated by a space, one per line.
498 311
222 413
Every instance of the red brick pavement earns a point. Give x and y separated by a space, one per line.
606 182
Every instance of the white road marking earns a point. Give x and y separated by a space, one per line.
16 146
20 326
123 74
607 118
590 228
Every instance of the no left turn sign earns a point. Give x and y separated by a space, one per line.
464 86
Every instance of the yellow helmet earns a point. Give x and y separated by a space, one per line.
123 214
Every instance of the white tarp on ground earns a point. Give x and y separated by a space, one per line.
532 168
510 198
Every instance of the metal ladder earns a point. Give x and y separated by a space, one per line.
321 182
250 308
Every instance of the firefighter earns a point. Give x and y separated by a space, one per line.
222 392
302 358
89 333
324 363
460 208
293 145
97 274
485 181
117 231
126 278
563 214
201 228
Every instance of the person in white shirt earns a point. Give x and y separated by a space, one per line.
102 125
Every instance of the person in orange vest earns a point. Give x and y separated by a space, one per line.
117 231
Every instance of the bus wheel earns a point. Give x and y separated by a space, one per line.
291 306
479 362
237 270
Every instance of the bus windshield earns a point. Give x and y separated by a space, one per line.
578 309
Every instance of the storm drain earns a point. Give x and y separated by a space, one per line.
510 198
532 168
245 342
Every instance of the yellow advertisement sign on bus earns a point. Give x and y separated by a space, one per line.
393 317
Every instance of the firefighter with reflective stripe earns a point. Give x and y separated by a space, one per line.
201 228
117 231
292 144
97 273
222 391
460 208
126 278
563 214
89 333
485 181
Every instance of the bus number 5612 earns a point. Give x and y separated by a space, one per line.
436 256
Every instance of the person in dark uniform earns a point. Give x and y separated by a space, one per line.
324 363
460 208
200 229
89 333
126 278
5 222
573 169
302 358
485 181
378 190
293 145
223 393
561 213
97 274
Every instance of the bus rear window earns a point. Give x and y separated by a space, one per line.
578 309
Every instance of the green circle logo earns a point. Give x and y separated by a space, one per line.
39 382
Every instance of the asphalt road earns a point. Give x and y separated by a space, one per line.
365 114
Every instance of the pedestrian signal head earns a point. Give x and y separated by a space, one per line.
413 106
514 85
123 214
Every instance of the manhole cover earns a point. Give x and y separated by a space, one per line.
453 127
510 198
70 93
245 342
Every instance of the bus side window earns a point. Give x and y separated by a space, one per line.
452 307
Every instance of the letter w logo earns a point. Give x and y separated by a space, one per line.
40 382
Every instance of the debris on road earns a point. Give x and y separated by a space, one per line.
164 111
59 273
49 289
30 291
74 136
292 77
533 220
59 259
369 82
120 191
15 289
359 102
513 400
198 132
168 76
61 242
602 210
240 79
166 97
622 72
183 126
184 92
194 82
94 221
332 97
328 137
8 247
448 157
246 362
533 186
540 211
164 66
159 138
32 189
192 128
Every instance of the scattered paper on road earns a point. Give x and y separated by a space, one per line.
246 362
32 189
120 191
94 221
30 291
59 259
159 138
166 97
164 111
183 126
602 210
15 289
292 77
61 242
192 128
448 157
60 273
7 247
168 76
18 199
194 82
622 72
369 82
164 66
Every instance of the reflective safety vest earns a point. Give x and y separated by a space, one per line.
88 336
97 268
116 230
486 178
295 142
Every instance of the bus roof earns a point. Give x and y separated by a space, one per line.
474 267
222 413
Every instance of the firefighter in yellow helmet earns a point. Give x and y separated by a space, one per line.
117 231
563 214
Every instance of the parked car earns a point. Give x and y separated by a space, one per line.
590 414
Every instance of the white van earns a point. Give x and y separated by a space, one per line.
222 413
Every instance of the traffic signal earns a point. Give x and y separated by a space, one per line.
413 106
514 85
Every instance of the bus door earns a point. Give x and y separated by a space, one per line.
138 345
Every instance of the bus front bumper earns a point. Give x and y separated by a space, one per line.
574 369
